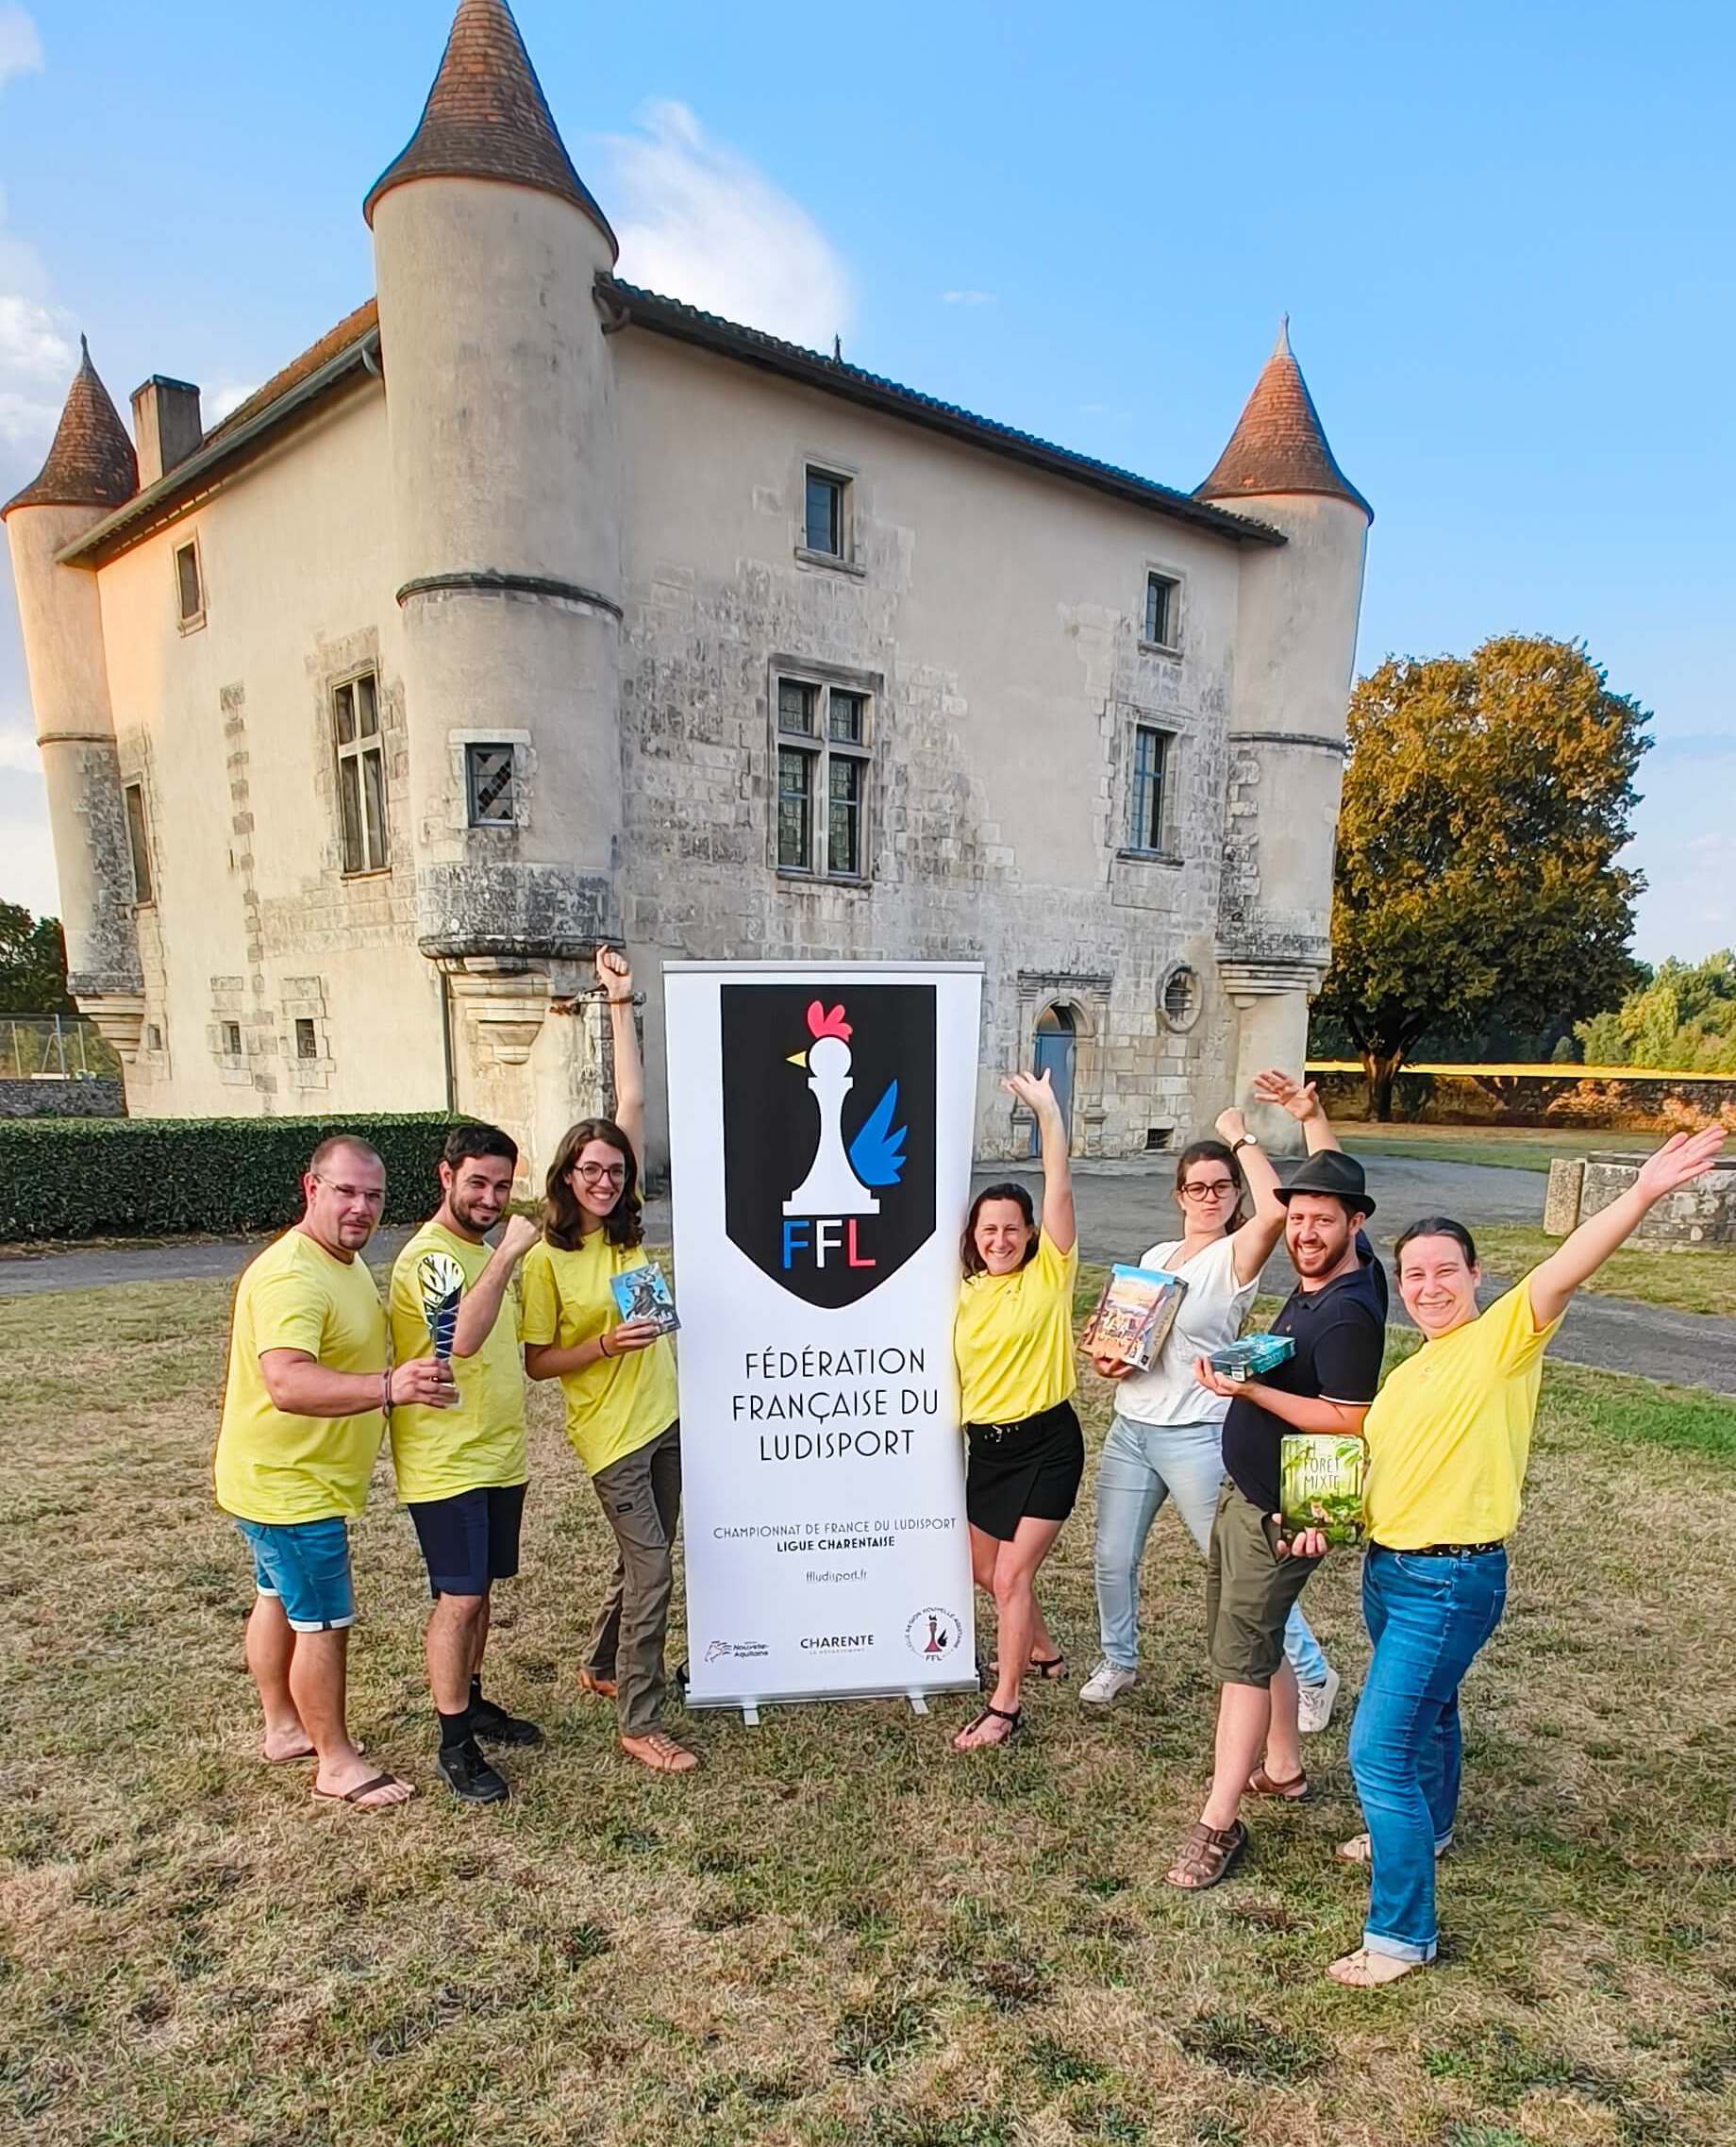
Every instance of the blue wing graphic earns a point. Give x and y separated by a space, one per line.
877 1153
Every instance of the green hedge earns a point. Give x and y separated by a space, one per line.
63 1178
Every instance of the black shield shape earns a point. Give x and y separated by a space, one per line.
847 1132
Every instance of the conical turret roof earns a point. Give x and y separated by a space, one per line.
487 118
1279 444
91 462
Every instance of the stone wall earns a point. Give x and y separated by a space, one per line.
1702 1215
95 1098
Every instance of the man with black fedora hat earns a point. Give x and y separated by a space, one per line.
1336 1316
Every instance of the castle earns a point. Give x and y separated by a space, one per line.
528 607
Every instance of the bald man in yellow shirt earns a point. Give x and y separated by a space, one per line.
304 1408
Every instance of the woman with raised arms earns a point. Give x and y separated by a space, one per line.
1449 1437
1012 1338
618 1378
1166 1440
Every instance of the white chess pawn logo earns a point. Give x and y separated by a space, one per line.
831 1186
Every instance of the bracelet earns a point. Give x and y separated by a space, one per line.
386 1392
603 1349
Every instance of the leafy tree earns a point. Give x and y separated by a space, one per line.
32 963
1486 799
1682 1019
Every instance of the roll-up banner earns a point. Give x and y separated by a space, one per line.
820 1130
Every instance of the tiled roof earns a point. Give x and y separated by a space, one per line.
832 375
351 328
487 118
1279 444
91 462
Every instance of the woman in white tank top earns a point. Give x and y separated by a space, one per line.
1165 1439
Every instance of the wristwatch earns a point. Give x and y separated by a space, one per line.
1244 1140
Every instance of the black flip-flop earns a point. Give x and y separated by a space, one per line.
1015 1721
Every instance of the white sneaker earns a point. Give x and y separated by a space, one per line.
1105 1682
1314 1710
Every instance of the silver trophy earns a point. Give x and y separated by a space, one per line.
442 1283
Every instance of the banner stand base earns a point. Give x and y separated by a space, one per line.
918 1704
750 1716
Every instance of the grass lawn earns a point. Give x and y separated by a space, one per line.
1514 1148
839 1933
1689 1281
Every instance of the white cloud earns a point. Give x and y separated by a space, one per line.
701 224
225 399
967 297
20 49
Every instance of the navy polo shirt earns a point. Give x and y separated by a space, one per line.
1340 1335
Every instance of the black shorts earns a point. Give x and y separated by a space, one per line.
469 1539
1017 1469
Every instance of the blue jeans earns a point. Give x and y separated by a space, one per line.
1428 1617
1140 1467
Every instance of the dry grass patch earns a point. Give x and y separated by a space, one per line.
838 1933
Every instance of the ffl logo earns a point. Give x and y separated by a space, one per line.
828 1133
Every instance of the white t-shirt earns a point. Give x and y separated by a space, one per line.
1210 1315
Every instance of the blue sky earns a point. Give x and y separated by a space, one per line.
1503 234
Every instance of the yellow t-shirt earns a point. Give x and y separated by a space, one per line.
1013 1338
1450 1434
437 1454
620 1403
270 1465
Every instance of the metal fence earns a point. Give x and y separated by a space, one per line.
55 1047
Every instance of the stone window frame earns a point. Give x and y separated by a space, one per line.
189 621
523 768
139 843
870 687
358 751
1181 973
846 476
1172 730
1165 571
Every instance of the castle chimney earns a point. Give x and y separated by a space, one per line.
166 424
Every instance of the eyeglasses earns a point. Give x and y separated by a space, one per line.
374 1197
1215 1189
601 1173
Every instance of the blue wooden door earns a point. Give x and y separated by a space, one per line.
1054 1056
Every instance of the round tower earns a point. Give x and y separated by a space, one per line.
507 506
91 470
1297 618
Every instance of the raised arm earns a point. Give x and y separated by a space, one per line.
1677 1163
1254 1240
616 979
1038 1096
1302 1100
479 1307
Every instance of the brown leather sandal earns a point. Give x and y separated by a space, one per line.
604 1687
1207 1854
1297 1790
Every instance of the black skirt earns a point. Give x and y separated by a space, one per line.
1032 1468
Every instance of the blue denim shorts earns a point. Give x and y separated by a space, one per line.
306 1566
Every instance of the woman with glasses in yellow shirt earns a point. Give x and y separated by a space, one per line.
1449 1437
618 1379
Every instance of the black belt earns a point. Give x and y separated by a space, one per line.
1439 1549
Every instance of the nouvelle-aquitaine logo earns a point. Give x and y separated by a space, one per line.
828 1132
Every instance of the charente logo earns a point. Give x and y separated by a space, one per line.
828 1133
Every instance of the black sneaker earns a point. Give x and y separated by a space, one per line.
498 1727
468 1775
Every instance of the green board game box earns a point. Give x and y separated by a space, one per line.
1321 1484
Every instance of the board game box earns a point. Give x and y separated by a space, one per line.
1134 1316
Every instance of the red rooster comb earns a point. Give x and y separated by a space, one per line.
820 1023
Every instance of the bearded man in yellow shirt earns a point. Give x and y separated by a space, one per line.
462 1471
303 1410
